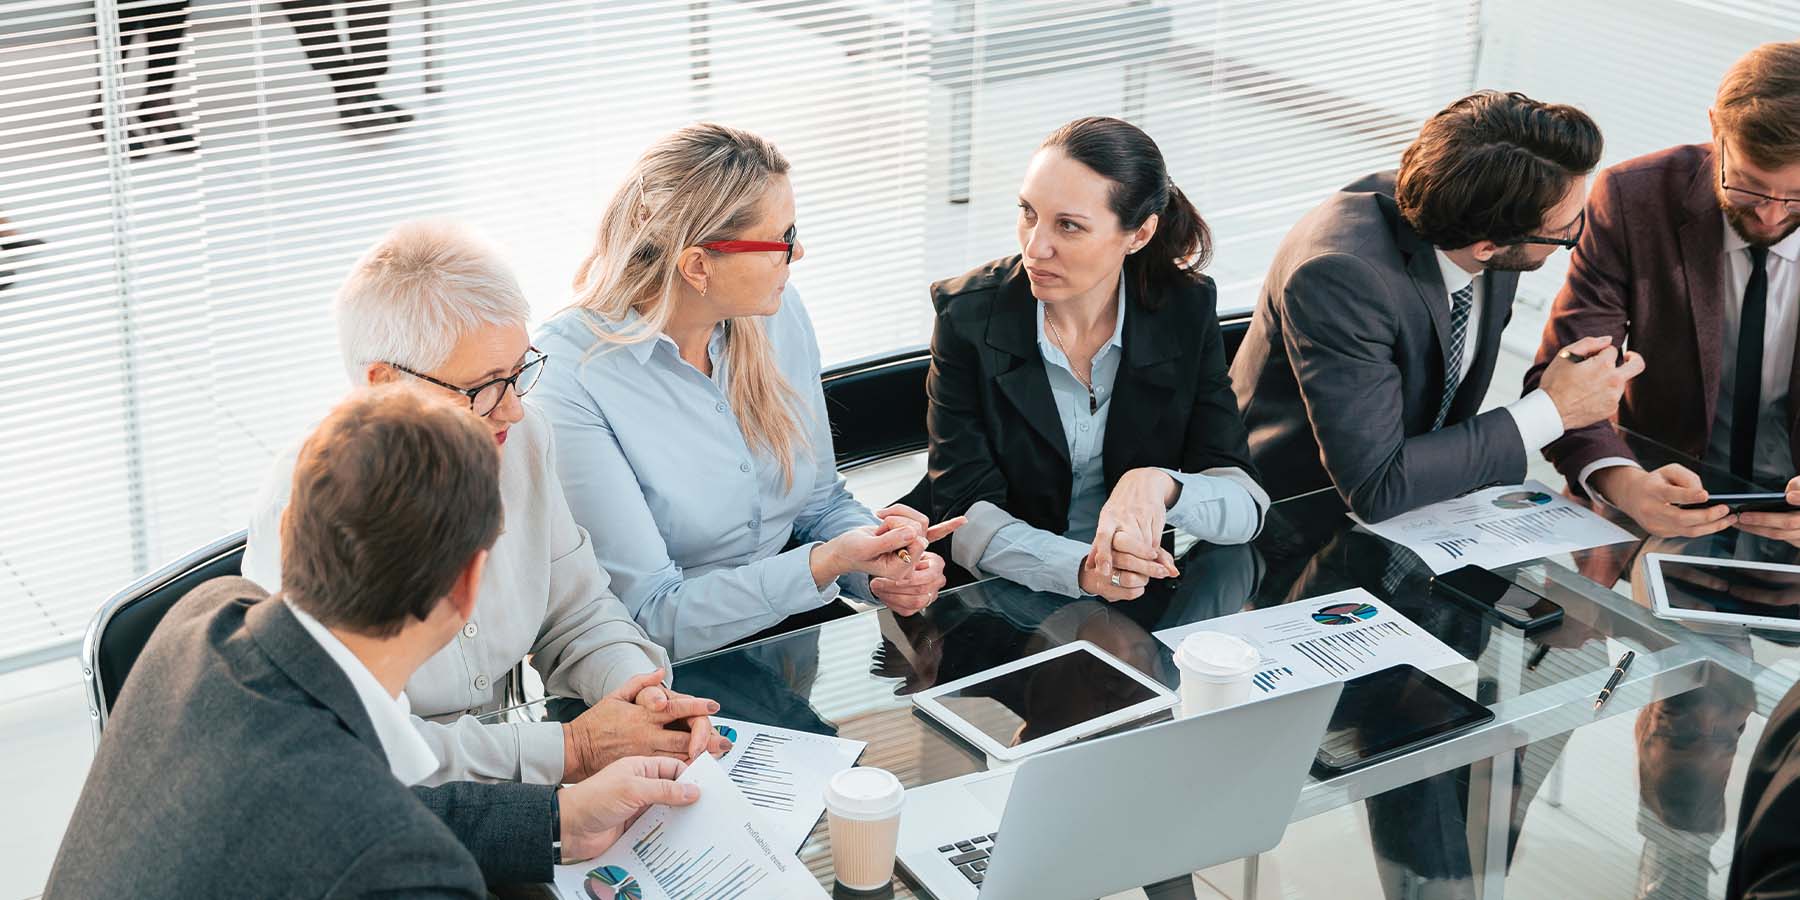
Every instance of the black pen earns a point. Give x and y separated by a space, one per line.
1617 676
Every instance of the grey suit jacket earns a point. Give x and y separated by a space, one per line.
1342 371
239 762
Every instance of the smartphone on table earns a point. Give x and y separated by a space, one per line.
1515 604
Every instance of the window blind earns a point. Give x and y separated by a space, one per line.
1644 93
199 196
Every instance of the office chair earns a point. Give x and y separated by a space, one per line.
119 631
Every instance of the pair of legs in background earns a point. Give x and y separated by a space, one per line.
345 42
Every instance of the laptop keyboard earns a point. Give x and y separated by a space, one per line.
970 857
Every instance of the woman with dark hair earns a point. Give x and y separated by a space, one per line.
1079 395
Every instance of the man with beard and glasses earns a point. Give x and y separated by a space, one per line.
1374 339
1691 258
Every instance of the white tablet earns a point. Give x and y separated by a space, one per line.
1730 591
1044 700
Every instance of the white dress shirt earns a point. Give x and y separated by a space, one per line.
1773 465
408 756
1535 414
541 595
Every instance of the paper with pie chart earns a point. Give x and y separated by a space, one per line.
1497 526
1331 638
716 849
782 772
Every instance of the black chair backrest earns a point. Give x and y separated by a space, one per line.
877 406
123 625
1233 329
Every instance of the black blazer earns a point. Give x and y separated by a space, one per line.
1342 372
995 432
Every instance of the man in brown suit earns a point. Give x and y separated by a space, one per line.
1692 259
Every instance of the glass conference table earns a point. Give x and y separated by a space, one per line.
1445 821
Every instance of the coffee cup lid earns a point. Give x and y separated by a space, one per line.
864 792
1217 653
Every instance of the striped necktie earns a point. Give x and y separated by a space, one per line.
1460 302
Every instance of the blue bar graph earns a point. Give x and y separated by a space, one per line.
700 873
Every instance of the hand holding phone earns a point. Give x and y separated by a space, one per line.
1760 501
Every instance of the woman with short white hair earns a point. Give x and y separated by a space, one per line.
432 306
691 414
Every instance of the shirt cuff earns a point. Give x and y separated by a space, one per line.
540 752
856 584
970 542
1588 471
1223 505
791 577
633 662
994 542
1537 418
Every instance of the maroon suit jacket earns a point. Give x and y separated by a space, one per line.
1650 272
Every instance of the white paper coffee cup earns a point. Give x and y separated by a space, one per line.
862 811
1216 669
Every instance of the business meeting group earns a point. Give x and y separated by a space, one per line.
648 477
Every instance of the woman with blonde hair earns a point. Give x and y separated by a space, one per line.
695 444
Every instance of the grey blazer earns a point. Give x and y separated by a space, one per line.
239 762
1342 371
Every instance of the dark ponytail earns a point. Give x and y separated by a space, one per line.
1124 155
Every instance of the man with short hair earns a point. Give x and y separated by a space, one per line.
1374 340
1692 258
262 746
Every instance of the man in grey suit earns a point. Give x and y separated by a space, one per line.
1375 337
262 746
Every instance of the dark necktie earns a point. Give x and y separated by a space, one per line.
1459 327
1746 386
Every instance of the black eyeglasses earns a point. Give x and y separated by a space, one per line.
1569 242
1750 199
484 398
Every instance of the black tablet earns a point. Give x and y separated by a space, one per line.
1396 710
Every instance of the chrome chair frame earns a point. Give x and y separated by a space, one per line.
92 679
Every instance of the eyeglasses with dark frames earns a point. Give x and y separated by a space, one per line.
1748 199
485 397
785 245
1569 242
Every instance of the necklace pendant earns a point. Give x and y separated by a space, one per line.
1093 402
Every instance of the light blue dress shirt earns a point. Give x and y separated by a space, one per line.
691 524
1223 506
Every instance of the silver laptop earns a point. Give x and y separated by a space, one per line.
1118 812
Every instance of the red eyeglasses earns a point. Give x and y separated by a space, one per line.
785 245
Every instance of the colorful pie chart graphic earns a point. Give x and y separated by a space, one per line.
612 883
729 732
1521 499
1344 614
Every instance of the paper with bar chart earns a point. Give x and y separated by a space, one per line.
1497 526
782 772
1331 638
716 849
